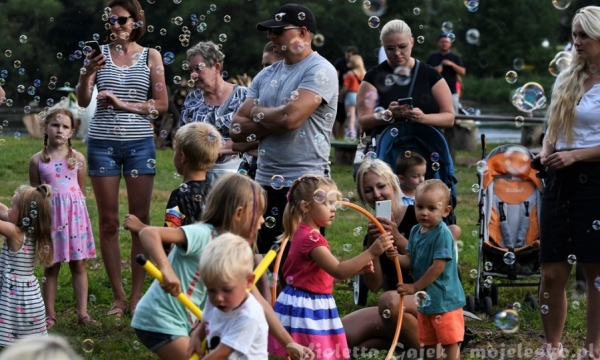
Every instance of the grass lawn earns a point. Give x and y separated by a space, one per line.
116 340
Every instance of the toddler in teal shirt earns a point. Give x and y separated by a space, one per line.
437 288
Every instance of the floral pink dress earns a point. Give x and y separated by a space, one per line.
72 234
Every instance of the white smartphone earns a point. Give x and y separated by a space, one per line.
383 209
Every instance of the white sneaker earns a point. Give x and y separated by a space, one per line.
547 352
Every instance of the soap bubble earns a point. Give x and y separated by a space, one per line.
87 345
422 299
270 222
507 321
544 309
572 259
509 258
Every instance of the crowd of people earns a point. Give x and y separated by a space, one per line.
213 233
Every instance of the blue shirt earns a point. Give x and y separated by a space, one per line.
408 200
446 291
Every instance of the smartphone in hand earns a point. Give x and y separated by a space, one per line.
95 46
383 209
406 101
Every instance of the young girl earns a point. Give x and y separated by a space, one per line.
26 227
352 81
306 306
235 204
63 168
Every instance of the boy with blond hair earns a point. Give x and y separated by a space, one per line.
430 254
234 322
196 148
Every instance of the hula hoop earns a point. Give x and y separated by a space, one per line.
396 264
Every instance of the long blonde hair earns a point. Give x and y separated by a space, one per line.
385 173
358 66
302 189
229 193
568 88
35 219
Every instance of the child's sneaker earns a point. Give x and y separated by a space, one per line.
547 352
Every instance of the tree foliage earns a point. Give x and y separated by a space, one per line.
508 29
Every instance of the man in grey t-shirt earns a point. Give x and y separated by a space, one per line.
290 109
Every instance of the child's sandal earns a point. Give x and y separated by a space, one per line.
87 320
117 310
50 322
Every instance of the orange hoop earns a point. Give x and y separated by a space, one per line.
396 263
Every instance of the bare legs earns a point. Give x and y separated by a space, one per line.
49 288
106 191
592 338
366 328
139 192
175 350
554 282
80 286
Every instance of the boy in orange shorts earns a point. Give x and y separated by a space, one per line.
437 288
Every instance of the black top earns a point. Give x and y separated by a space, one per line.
423 99
190 199
448 72
387 266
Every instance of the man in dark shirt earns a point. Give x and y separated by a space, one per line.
448 64
341 66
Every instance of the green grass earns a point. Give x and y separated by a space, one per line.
113 340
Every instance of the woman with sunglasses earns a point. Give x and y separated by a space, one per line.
214 101
120 137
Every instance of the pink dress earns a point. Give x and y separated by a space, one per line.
71 228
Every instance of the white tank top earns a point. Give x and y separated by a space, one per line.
586 132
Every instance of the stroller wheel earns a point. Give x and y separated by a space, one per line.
470 305
360 291
531 302
487 302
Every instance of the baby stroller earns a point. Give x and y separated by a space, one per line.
509 198
398 139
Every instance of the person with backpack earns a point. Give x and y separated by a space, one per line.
402 77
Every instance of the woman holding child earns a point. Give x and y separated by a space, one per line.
375 181
214 101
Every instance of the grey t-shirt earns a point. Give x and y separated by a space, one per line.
306 149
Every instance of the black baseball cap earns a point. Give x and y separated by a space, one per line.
294 14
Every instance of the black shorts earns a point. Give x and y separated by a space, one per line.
569 210
340 115
154 340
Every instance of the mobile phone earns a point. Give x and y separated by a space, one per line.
406 101
95 46
383 209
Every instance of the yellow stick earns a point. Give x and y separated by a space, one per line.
264 264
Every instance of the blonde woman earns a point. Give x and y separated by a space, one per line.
569 212
352 80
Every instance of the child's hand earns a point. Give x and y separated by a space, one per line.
171 283
197 336
367 269
406 289
133 224
391 253
298 352
383 242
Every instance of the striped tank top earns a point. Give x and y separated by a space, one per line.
129 84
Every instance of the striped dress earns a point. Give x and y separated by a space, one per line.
306 307
22 312
130 84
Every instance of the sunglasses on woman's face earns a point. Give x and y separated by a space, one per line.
122 20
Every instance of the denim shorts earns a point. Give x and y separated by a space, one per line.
113 158
350 99
154 340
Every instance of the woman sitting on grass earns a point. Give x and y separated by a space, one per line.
373 327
